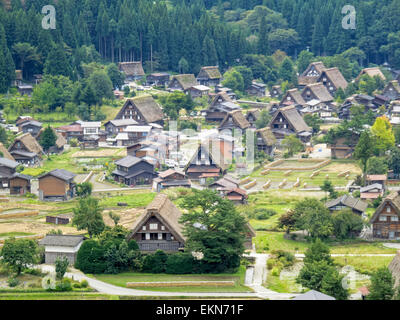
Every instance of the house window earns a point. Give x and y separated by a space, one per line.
160 236
382 218
394 218
378 232
153 226
163 228
388 209
147 236
144 228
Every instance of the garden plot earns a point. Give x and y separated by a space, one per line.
298 164
101 153
128 217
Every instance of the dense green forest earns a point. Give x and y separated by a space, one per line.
183 35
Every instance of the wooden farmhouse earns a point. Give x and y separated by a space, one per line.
292 97
7 170
20 184
224 184
288 121
372 72
371 192
26 150
209 76
207 162
333 79
252 116
158 228
316 91
32 126
71 131
133 70
170 179
257 89
221 89
114 127
159 79
322 109
234 121
376 178
143 109
220 106
237 196
59 246
347 202
134 171
57 184
311 74
343 148
199 91
392 90
182 82
385 221
265 140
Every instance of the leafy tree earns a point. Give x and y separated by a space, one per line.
247 75
376 165
117 77
101 86
7 66
119 259
286 70
25 53
328 188
288 220
263 120
176 101
180 263
364 149
331 284
313 216
90 257
3 136
19 253
155 263
304 59
114 217
183 65
382 130
48 138
394 160
313 121
292 144
234 80
346 224
61 267
87 215
213 227
57 62
84 189
381 287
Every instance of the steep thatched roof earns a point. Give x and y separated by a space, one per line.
147 106
295 95
267 136
254 112
213 150
133 68
305 79
186 81
395 84
237 118
210 72
372 72
320 91
291 114
164 210
394 199
29 142
336 78
4 152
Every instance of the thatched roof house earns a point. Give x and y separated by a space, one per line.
316 91
372 72
182 82
292 97
4 152
311 74
142 109
209 76
234 120
132 70
60 142
333 79
158 226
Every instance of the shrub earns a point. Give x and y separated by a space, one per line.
34 272
155 263
90 257
64 285
76 285
61 267
276 271
30 195
264 214
13 282
73 142
84 284
179 263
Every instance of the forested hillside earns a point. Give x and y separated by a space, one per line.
183 35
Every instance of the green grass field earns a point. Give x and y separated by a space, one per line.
134 199
365 265
122 278
268 241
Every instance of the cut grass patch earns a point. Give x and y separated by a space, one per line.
133 199
122 278
365 265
